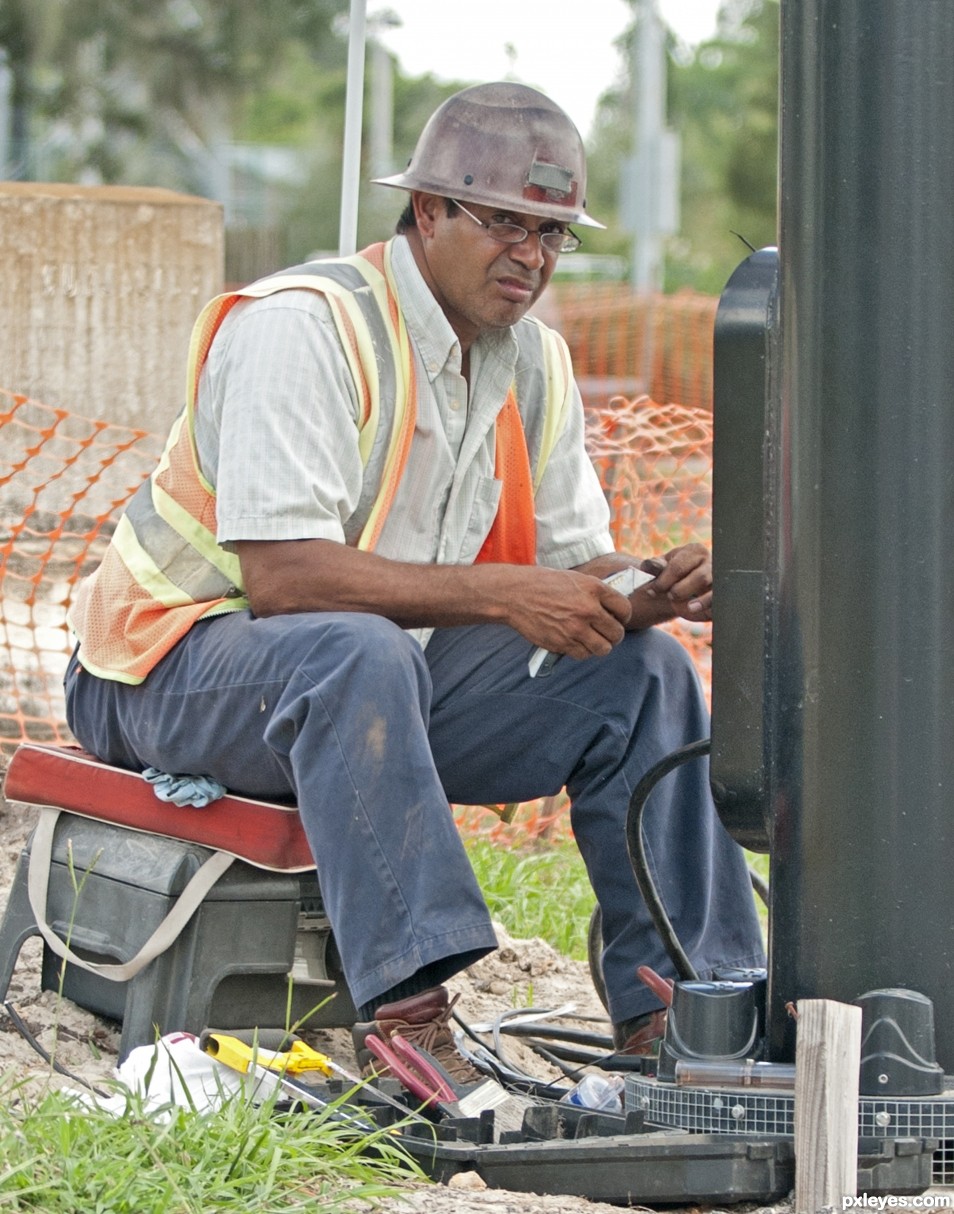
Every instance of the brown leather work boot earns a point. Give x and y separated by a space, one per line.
424 1021
642 1035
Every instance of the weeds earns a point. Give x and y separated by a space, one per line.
59 1157
542 892
546 892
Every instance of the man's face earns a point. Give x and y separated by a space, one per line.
479 282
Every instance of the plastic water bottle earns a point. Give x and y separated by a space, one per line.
601 1092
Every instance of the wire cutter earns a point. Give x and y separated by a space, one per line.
421 1077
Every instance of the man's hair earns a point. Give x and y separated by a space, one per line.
407 219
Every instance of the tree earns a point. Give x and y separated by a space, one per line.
114 87
723 102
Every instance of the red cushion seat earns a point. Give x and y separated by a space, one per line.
263 833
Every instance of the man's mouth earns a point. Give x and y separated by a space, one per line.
517 290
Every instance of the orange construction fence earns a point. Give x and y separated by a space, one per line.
65 479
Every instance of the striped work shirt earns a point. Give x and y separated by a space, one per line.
277 436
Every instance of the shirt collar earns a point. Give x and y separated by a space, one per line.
430 329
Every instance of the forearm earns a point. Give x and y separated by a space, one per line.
283 577
563 610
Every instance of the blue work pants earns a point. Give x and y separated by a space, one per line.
373 737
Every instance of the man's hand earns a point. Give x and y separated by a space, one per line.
682 585
685 579
565 611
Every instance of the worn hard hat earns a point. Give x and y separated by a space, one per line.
504 145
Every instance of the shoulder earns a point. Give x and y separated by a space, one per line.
541 349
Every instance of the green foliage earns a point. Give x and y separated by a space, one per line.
723 103
119 91
543 890
57 1157
538 891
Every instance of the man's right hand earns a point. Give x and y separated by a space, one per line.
566 612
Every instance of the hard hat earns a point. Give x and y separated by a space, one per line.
503 145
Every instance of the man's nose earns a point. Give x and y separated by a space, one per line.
529 251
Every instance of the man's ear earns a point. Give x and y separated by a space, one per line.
427 208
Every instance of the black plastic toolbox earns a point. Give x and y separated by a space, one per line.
562 1149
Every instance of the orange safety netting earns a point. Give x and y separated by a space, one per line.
637 345
65 479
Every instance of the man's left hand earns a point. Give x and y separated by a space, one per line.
685 581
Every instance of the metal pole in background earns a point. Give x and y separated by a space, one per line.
863 714
354 104
649 84
7 154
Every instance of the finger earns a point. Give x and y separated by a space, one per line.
689 589
700 607
679 565
615 604
609 631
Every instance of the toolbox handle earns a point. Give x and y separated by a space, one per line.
38 879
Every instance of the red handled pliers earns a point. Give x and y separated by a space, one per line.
421 1078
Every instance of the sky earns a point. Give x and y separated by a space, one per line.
566 50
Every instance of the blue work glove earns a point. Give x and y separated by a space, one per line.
184 790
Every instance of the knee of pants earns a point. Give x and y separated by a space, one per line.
367 645
656 654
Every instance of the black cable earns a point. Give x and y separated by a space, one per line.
637 852
21 1027
760 885
557 1033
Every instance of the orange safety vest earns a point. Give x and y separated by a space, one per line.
164 569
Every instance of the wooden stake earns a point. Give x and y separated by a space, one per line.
827 1058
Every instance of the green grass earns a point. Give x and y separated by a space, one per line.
543 890
540 891
59 1158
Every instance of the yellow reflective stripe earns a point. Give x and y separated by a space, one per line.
364 368
198 537
222 608
198 329
146 573
107 672
557 367
166 457
405 413
192 382
361 363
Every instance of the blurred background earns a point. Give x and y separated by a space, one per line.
244 104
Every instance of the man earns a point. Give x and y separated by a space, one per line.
388 443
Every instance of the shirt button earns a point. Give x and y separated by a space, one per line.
455 405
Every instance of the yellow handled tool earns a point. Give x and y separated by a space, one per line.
283 1054
238 1054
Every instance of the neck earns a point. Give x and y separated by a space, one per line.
464 332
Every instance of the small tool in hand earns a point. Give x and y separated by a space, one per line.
625 581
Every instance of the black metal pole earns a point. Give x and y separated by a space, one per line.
863 688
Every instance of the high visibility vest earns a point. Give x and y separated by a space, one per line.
164 569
